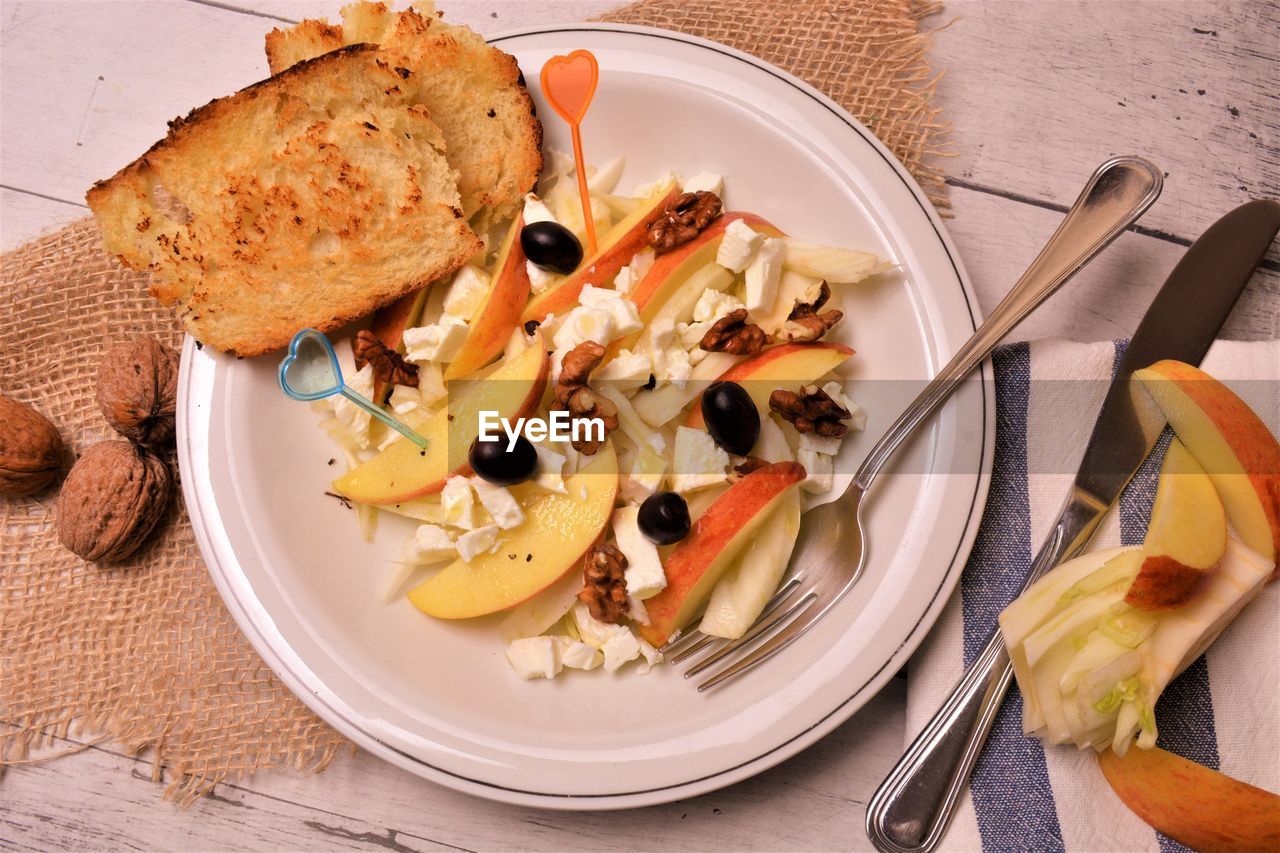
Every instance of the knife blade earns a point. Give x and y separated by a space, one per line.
912 807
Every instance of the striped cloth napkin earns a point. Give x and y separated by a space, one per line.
1223 712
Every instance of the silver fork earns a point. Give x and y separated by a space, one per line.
831 551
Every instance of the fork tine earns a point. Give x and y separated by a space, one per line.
761 627
679 640
703 642
772 646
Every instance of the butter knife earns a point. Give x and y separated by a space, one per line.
911 809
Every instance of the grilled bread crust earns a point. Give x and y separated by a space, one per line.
474 91
309 199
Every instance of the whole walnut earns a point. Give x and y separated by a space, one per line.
113 498
138 391
30 449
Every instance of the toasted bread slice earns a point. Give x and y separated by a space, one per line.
307 200
475 92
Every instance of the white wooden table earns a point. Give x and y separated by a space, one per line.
1038 93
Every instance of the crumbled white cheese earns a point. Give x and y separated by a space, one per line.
437 342
738 246
404 399
593 632
698 461
691 334
829 445
575 654
534 657
584 323
475 542
466 292
550 469
674 366
501 504
456 504
644 574
539 279
620 649
354 420
429 544
713 304
704 182
636 611
762 274
652 657
631 275
431 383
857 417
628 370
819 469
623 312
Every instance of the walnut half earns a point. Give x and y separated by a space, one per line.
605 584
733 334
804 323
389 367
574 395
811 410
683 219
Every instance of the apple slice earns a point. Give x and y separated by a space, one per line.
404 471
697 562
557 531
661 405
1186 538
1230 442
1193 804
388 325
786 366
615 250
499 312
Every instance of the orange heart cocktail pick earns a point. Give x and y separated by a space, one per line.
568 83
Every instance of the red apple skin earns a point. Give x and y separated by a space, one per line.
1249 438
598 269
744 370
710 534
1165 584
1193 804
499 313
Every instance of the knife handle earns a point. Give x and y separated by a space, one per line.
911 809
1119 191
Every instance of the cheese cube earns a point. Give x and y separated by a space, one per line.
437 342
584 323
857 417
500 503
429 544
644 573
431 383
620 649
629 370
818 466
704 182
467 290
712 305
674 365
827 445
575 654
456 504
625 315
539 279
699 462
762 274
534 657
630 275
473 543
738 246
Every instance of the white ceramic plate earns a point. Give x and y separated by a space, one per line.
439 699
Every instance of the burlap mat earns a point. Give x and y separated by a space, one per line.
144 653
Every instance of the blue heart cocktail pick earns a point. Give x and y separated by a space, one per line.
310 372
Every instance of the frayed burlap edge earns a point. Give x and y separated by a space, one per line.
144 654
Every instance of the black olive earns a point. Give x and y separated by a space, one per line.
492 461
551 246
731 417
663 518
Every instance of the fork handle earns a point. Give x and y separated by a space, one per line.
911 809
1119 191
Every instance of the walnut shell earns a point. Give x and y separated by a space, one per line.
138 391
30 449
113 498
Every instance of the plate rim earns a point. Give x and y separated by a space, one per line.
192 494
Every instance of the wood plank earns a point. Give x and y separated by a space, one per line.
1039 93
814 801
